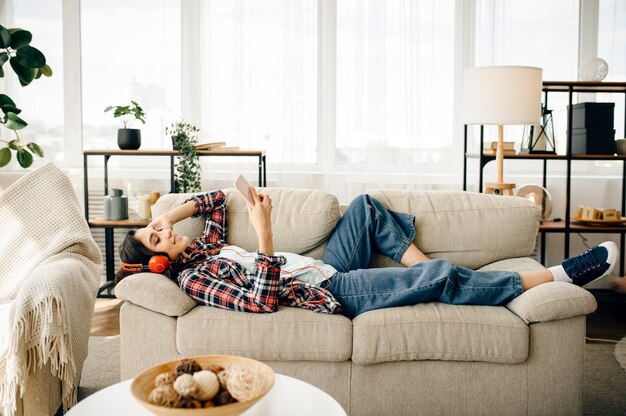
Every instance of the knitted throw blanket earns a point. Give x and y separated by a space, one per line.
49 273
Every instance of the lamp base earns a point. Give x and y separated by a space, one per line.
499 188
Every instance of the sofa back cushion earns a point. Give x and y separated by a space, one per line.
302 219
468 229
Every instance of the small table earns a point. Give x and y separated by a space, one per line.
288 397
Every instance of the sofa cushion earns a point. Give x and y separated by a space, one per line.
302 219
519 264
468 229
552 301
290 334
155 292
437 331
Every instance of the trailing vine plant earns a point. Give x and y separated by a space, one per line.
188 171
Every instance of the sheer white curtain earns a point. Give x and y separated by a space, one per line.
259 77
532 33
612 48
395 73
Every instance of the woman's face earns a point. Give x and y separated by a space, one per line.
166 241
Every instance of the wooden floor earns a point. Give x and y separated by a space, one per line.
106 317
607 322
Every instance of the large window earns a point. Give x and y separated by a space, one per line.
395 82
41 101
130 51
259 76
256 73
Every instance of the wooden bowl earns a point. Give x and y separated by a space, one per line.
143 384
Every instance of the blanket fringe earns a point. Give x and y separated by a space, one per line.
40 349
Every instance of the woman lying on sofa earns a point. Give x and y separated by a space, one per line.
216 273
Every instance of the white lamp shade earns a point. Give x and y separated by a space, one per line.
502 95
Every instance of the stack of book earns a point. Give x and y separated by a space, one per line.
508 147
215 146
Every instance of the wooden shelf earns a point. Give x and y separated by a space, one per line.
584 86
161 152
550 156
559 227
131 222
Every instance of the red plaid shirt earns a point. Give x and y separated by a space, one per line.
224 283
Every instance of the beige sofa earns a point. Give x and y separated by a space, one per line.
522 358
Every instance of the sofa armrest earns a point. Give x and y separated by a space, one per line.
552 301
155 292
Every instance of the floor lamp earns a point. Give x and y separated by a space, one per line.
501 95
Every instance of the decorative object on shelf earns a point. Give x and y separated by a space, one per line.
127 138
116 206
154 197
188 171
539 138
592 128
502 95
593 69
617 221
539 196
620 146
143 207
590 213
28 63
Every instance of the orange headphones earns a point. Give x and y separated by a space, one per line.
157 264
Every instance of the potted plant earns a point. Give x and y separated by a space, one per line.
28 63
127 138
188 172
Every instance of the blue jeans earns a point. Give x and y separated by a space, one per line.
367 226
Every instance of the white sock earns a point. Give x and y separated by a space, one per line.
559 274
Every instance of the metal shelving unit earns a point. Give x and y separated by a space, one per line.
109 226
565 227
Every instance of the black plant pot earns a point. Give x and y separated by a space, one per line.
129 139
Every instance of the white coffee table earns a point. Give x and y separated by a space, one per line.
288 397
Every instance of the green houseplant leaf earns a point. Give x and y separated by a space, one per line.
24 158
5 37
5 156
34 147
30 57
13 122
127 113
24 73
20 38
6 100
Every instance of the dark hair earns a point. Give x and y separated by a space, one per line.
133 251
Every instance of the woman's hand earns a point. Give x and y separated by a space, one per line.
171 217
261 218
161 222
